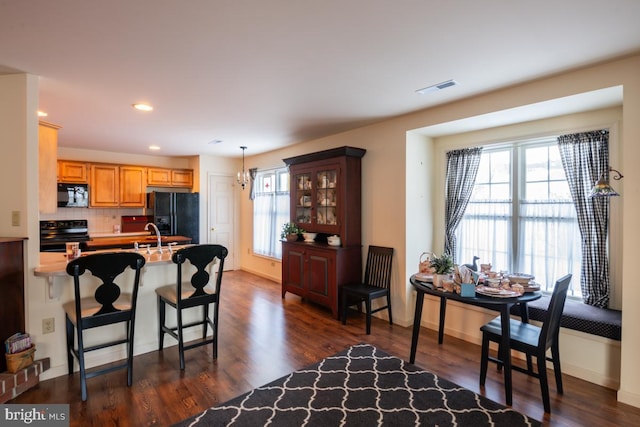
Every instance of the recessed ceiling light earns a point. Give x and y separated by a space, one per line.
42 114
437 87
154 147
142 107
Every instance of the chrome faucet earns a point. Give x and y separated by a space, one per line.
146 227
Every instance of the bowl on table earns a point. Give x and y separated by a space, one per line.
309 237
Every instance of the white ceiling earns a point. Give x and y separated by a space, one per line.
266 74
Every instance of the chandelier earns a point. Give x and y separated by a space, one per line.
243 177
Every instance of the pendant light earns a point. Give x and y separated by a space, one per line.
243 177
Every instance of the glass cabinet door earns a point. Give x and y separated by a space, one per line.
303 199
326 196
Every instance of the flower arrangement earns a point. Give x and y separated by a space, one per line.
442 264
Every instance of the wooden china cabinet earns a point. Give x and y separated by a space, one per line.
325 199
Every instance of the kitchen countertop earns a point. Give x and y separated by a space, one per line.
122 234
127 241
55 263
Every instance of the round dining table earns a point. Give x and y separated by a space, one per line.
424 286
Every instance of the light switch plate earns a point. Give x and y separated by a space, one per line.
15 218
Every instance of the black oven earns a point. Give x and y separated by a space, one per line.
55 234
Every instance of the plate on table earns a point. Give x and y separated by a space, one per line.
424 277
496 292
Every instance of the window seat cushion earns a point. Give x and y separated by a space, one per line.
580 317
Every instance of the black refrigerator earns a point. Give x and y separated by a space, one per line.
176 214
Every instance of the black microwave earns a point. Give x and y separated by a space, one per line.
73 195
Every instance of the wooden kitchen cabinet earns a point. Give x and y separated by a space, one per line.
116 186
163 177
182 178
73 172
104 186
325 197
47 170
132 186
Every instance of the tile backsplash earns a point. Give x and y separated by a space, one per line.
100 220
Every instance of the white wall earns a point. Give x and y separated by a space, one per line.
19 142
19 168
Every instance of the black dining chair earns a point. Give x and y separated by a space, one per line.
194 292
105 305
533 341
376 284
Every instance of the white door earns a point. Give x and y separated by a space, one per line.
220 211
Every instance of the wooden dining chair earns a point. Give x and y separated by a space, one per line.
194 292
105 305
377 280
532 341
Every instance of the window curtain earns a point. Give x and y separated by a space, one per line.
549 249
485 231
585 157
252 188
462 169
270 212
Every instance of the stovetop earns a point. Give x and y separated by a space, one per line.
63 226
57 232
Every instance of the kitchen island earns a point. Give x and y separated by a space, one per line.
159 270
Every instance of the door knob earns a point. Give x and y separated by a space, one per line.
213 229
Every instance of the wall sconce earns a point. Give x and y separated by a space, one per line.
602 187
243 177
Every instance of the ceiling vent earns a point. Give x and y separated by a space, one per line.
437 87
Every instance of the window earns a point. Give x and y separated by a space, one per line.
270 211
521 217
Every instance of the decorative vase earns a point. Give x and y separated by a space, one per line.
292 237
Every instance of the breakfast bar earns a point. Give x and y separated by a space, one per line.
159 270
54 264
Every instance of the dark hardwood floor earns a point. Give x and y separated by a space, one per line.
263 337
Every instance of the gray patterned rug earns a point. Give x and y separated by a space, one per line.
360 386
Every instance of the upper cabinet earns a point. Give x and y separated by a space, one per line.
104 186
113 185
73 172
162 177
47 155
132 186
117 186
325 192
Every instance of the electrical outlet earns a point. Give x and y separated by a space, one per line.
48 325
